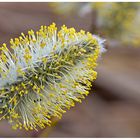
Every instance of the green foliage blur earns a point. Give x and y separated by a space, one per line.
119 21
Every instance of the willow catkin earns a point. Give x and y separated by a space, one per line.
45 74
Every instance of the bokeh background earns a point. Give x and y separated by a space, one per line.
113 107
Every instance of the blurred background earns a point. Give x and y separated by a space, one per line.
113 107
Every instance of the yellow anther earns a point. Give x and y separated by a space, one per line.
42 45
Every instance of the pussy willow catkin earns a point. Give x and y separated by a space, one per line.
45 73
